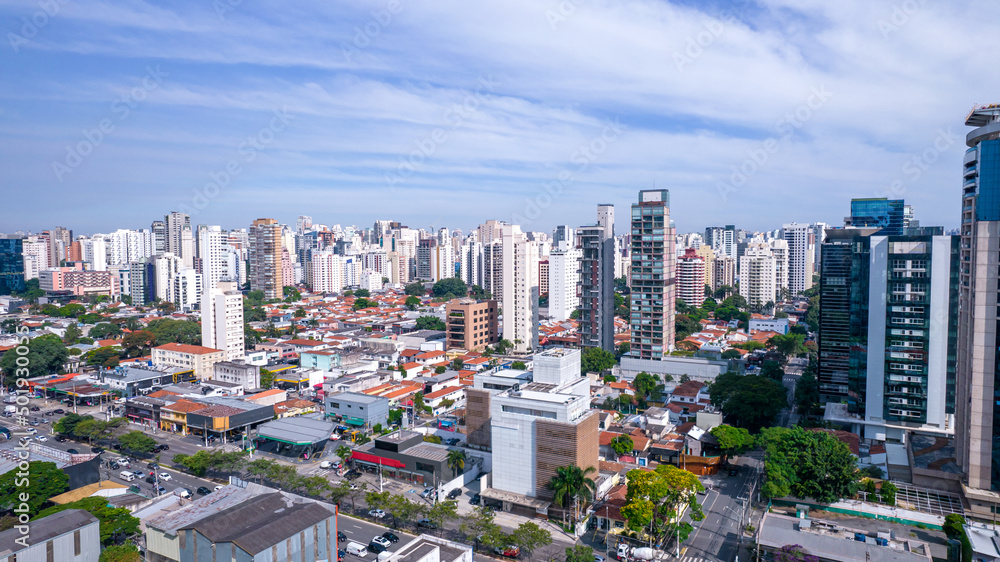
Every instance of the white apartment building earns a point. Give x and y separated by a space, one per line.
94 250
198 358
691 278
801 251
36 256
757 275
327 272
564 276
471 263
186 290
520 291
212 245
222 320
779 249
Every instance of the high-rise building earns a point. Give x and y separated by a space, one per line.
801 247
724 273
11 263
691 278
303 223
890 216
888 329
978 359
493 270
266 272
541 426
212 243
159 230
722 240
563 233
471 263
490 231
708 256
757 275
819 236
564 279
175 223
779 249
222 319
435 261
472 324
652 275
520 289
327 272
597 281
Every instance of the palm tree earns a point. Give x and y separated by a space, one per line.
344 452
571 483
456 461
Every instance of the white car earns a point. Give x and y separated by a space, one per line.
376 513
30 430
41 439
382 541
217 488
326 465
165 476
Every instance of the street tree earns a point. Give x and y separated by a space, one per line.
137 442
807 464
442 512
529 537
573 485
29 494
579 553
732 440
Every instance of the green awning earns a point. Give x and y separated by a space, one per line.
354 421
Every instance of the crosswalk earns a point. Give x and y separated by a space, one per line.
693 559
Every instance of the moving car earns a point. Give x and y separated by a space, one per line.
183 492
341 537
340 555
376 513
151 480
61 438
165 476
73 451
203 491
733 471
386 543
41 439
326 465
161 490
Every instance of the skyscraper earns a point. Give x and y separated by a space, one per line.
758 272
564 279
520 289
978 358
212 242
890 216
597 281
11 263
652 274
801 244
222 319
175 223
266 272
159 230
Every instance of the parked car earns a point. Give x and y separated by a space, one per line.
217 488
733 471
474 500
454 493
390 537
59 411
34 408
598 558
161 490
386 543
427 523
376 513
61 438
340 555
375 547
428 492
511 550
203 491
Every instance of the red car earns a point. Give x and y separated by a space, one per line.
509 550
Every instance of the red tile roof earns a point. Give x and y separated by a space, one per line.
187 348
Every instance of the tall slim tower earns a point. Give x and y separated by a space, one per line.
652 274
801 249
520 289
597 281
222 320
978 357
175 223
266 272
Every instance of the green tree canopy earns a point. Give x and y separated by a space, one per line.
46 355
646 385
450 287
361 303
807 464
571 483
519 365
412 302
788 345
105 330
529 537
595 360
415 289
579 553
622 445
430 323
748 401
137 442
72 334
169 330
120 553
732 440
138 344
116 523
479 293
291 294
44 480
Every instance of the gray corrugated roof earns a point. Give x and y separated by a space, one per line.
261 522
297 430
46 528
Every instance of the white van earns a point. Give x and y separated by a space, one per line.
357 549
126 475
384 555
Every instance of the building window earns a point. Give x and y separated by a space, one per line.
50 553
76 542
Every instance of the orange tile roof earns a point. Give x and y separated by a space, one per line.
184 406
443 392
187 348
264 394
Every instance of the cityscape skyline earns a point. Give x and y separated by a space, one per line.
146 106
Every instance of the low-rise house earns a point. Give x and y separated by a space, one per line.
72 535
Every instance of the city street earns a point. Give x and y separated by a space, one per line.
717 537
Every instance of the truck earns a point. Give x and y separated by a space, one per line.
9 410
643 553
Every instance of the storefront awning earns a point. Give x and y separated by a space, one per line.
354 421
375 459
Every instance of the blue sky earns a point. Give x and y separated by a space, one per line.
449 113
